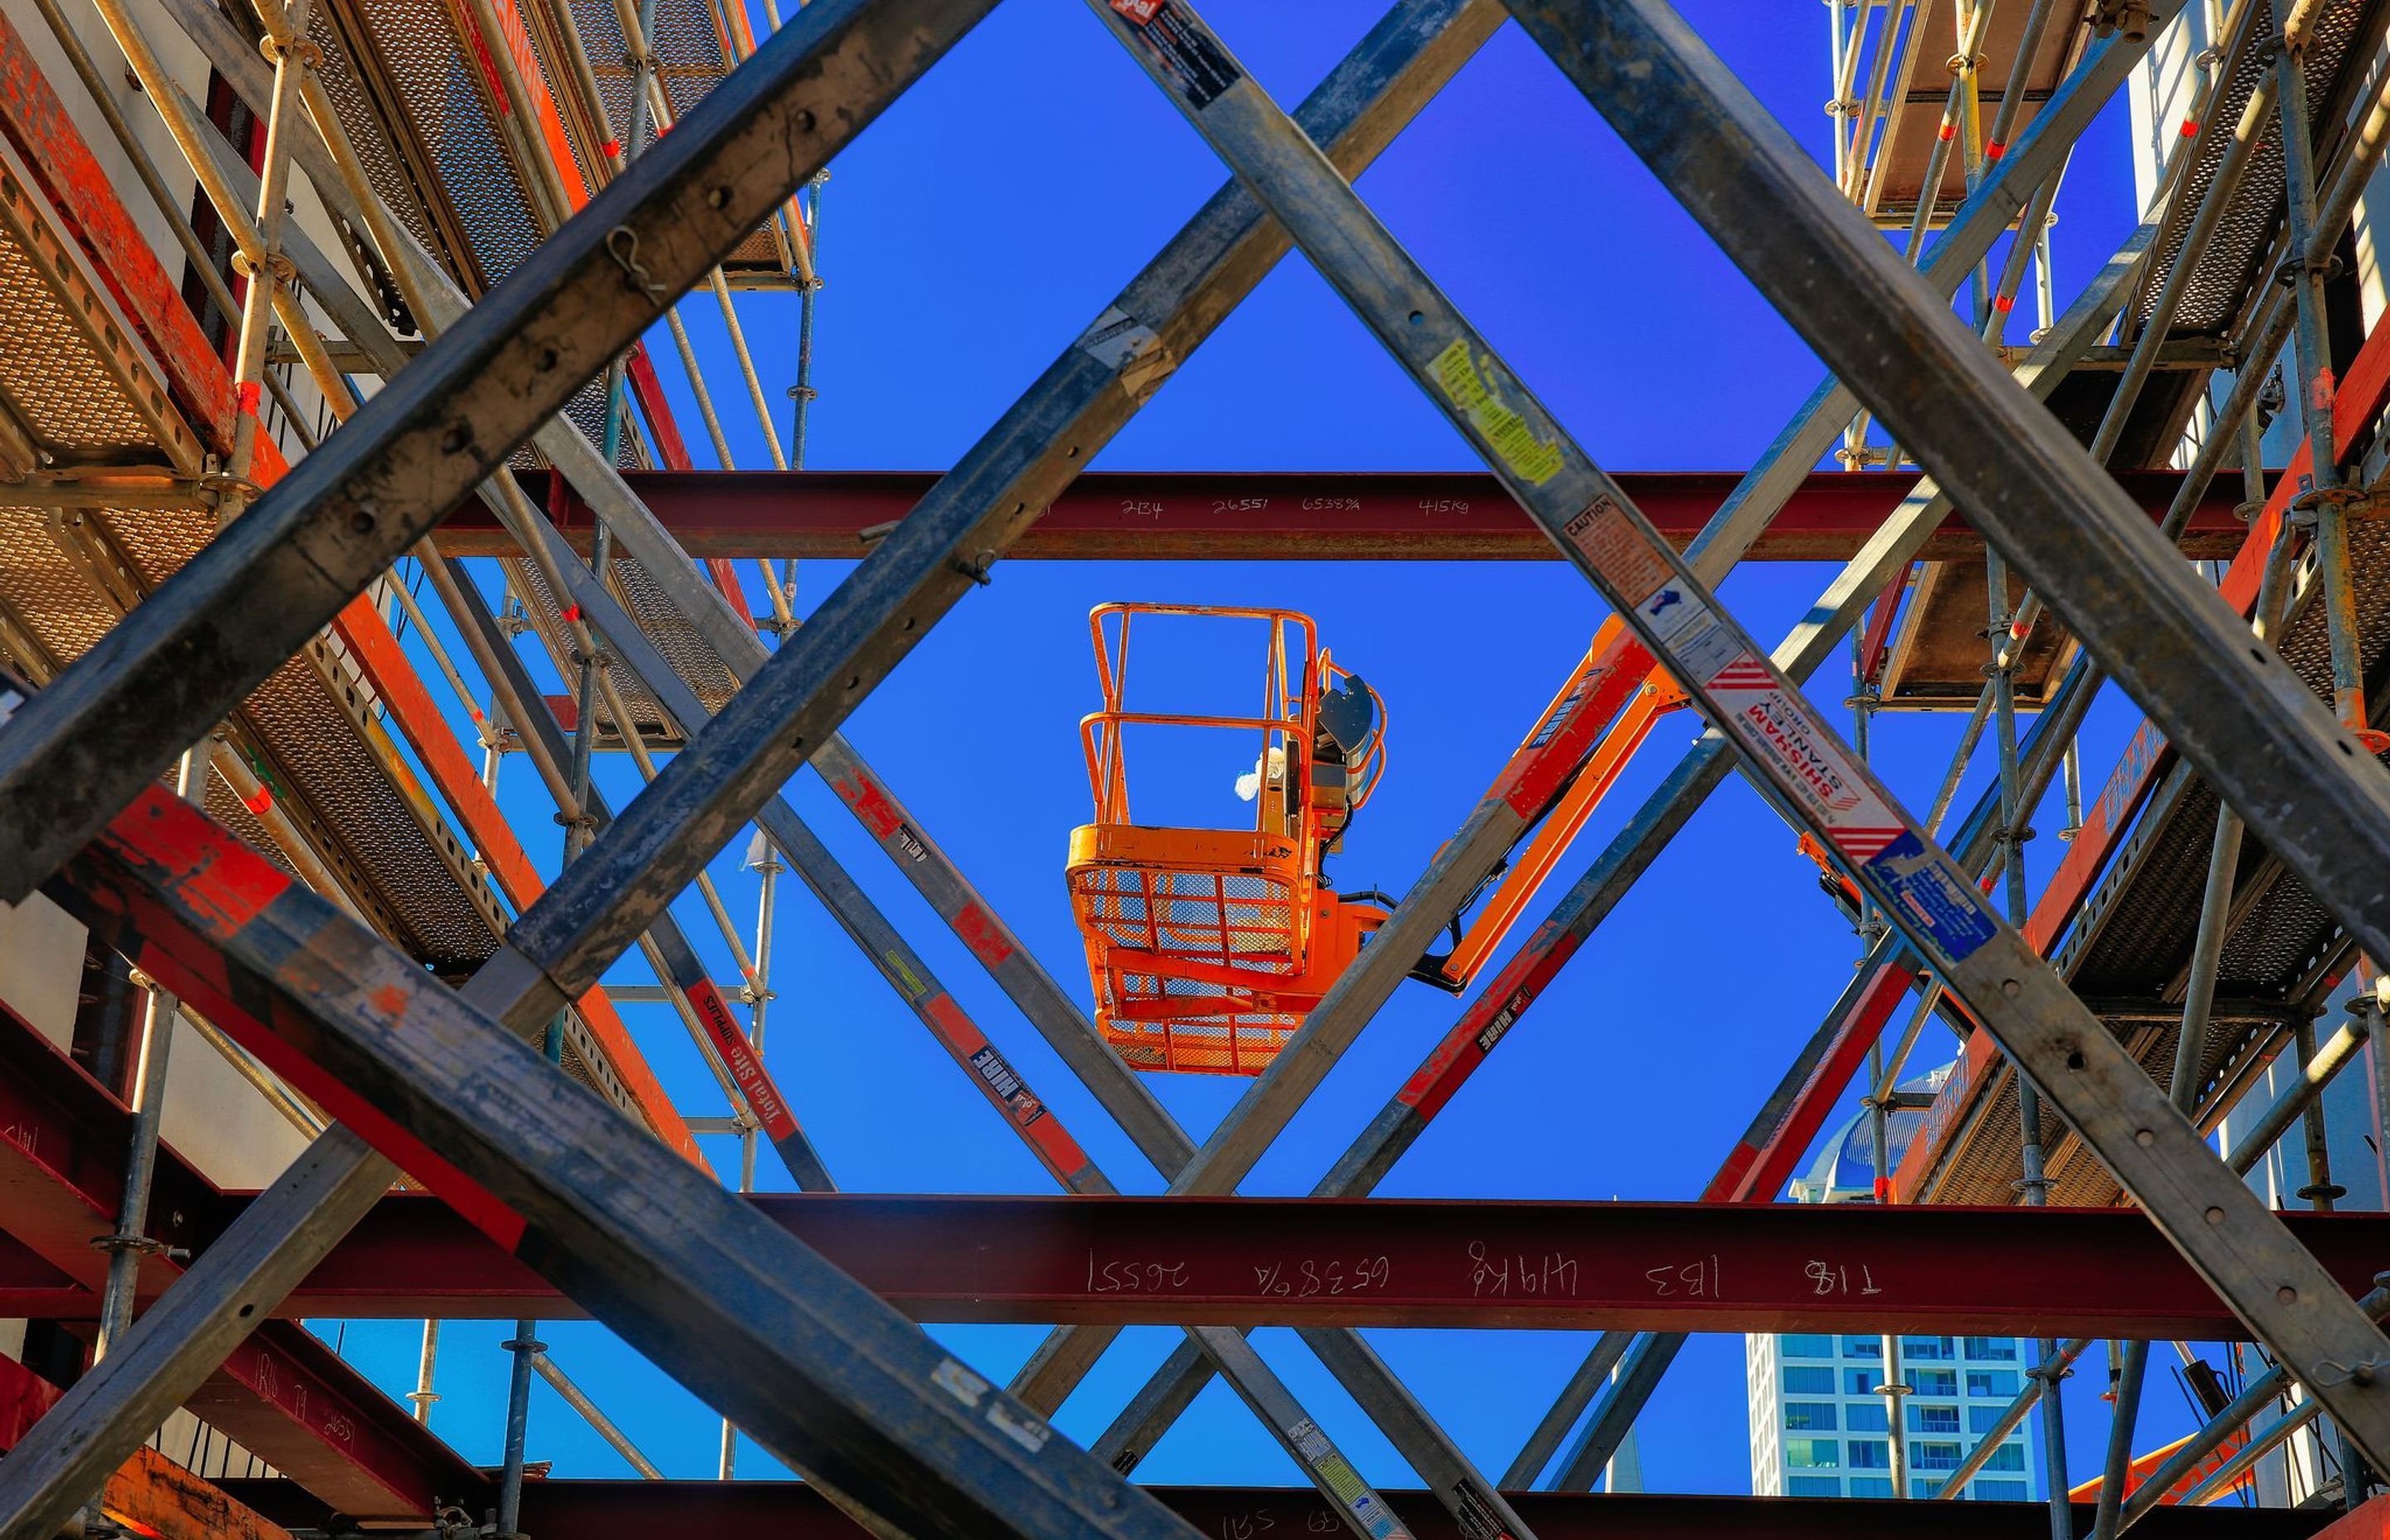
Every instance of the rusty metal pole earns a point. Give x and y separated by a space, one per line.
2324 499
268 269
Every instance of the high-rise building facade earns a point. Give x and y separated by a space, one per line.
1820 1422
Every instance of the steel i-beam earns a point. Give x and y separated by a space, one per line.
2221 1226
1393 71
743 1066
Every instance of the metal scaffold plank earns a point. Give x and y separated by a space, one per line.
2148 759
2219 1225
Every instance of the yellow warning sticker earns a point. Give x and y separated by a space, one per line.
1533 459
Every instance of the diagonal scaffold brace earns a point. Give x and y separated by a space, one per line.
1688 116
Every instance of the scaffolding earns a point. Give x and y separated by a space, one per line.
398 418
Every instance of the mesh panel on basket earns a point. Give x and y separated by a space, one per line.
1188 1024
1242 922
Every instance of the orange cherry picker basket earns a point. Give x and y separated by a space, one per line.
1208 946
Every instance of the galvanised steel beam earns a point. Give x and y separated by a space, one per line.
1401 63
1264 516
672 950
1746 1177
792 705
2237 1244
1723 1263
161 679
800 1357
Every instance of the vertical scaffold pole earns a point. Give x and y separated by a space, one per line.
2325 500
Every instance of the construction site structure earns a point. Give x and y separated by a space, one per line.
344 506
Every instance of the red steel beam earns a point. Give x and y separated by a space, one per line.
789 1511
150 1494
283 1395
1394 1263
1180 516
400 688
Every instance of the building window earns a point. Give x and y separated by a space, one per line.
1991 1383
1866 1416
1996 1350
1813 1486
1997 1492
1870 1454
1800 1380
1932 1420
1807 1346
1983 1419
2008 1456
1871 1487
1924 1486
1862 1381
1933 1382
1863 1347
1817 1453
1929 1348
1935 1457
1809 1415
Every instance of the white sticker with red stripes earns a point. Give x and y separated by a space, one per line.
1771 720
1814 766
1769 717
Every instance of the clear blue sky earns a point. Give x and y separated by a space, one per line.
967 237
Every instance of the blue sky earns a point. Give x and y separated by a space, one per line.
967 238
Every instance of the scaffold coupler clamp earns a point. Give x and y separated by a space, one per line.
2291 269
148 1246
2350 501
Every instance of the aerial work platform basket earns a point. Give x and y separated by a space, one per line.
1208 946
